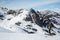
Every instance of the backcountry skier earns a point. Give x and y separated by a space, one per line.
49 27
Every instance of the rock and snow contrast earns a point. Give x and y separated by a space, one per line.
29 23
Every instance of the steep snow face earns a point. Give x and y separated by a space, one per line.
29 21
19 17
18 24
10 24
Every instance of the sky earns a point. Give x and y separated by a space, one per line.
27 4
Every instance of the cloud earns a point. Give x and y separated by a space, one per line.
40 3
28 4
56 10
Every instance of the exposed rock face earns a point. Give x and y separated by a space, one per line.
35 17
28 18
11 12
42 18
1 16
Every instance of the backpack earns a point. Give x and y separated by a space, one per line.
49 27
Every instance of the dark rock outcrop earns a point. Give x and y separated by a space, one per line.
11 12
42 18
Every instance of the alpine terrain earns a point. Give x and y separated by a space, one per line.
31 22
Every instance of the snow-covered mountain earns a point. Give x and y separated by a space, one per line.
28 21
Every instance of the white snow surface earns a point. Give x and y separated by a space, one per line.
19 36
16 31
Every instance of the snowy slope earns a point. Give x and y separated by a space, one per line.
15 26
19 36
10 21
16 21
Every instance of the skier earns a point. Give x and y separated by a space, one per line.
49 26
49 29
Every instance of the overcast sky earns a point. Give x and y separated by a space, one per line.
27 4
